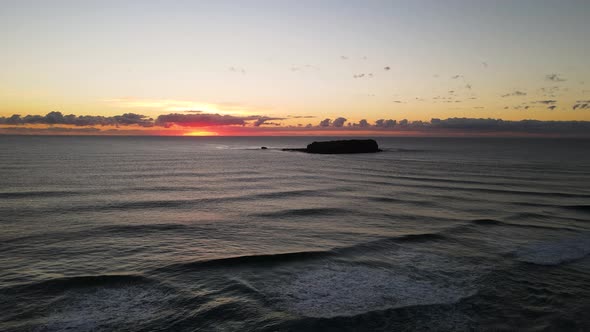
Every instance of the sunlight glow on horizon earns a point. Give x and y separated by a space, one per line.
200 133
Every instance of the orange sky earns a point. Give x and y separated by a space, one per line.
283 64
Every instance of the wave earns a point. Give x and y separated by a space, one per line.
59 285
494 222
90 303
39 194
304 212
176 203
265 259
540 216
139 229
555 253
270 259
580 208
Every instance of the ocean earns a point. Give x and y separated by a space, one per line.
215 234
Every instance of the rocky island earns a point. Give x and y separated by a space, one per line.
341 147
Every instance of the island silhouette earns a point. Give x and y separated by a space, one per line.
339 147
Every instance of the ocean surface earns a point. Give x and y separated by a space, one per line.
214 234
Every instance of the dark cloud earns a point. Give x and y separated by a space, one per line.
554 78
454 77
382 123
358 75
579 128
263 120
581 106
552 107
57 118
397 101
514 94
200 120
20 130
339 122
364 123
325 123
387 68
302 116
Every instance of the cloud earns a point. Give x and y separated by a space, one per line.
554 78
263 120
302 116
581 105
552 107
361 75
237 70
454 77
382 123
546 102
514 94
549 91
20 130
198 120
325 123
303 68
343 57
387 68
57 118
339 122
524 126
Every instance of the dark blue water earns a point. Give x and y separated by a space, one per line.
213 234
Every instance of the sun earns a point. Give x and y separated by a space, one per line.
200 133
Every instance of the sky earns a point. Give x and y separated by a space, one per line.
285 67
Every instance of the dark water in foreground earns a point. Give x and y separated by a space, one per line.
209 234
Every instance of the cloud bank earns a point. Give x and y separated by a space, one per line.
57 123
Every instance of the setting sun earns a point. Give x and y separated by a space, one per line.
200 133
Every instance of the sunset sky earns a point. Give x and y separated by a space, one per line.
284 67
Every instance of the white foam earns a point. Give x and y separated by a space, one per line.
345 290
105 308
555 252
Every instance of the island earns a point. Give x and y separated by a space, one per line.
341 147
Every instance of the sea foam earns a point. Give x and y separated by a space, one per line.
555 252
